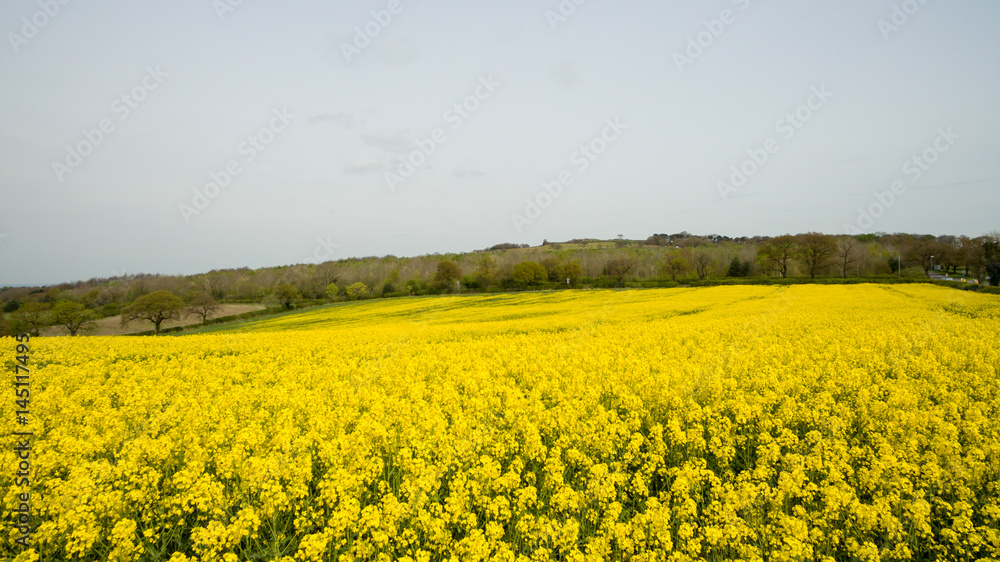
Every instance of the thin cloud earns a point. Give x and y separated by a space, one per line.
345 120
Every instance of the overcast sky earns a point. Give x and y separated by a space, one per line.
185 136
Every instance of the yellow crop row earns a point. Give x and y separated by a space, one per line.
731 423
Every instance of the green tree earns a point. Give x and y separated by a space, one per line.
486 270
738 268
389 286
415 286
529 273
573 272
446 275
90 299
155 307
287 294
553 268
357 291
332 291
30 318
73 315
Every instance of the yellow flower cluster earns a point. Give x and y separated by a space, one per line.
732 423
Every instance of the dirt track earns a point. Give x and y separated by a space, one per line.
111 326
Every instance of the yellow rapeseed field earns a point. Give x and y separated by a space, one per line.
731 423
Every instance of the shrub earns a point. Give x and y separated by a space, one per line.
529 273
357 291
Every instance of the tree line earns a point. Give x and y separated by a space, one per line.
661 259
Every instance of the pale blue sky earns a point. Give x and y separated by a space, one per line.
319 189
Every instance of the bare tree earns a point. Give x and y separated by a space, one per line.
970 251
702 263
814 251
485 272
326 273
203 305
846 253
618 268
924 252
991 251
778 252
674 266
